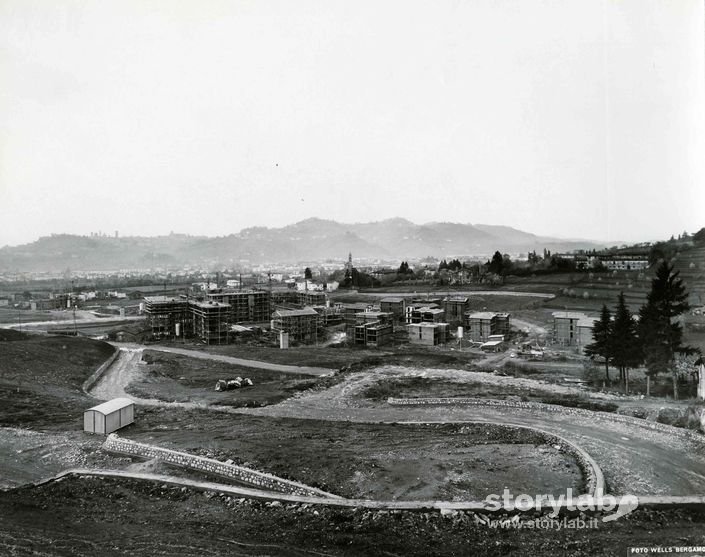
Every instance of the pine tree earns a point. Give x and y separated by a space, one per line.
496 264
625 347
660 336
602 335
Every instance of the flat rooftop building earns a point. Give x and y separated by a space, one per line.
167 316
373 333
210 321
456 307
395 306
246 306
428 334
565 326
302 325
424 315
482 324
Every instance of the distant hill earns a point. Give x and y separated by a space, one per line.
309 240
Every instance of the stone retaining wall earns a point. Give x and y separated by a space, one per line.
247 476
555 408
98 373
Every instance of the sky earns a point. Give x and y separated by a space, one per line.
579 119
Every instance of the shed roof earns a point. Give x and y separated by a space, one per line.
112 406
392 300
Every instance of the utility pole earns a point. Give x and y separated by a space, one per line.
75 331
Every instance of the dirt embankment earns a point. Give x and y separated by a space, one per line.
41 379
115 516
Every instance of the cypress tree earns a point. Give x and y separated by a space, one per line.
602 335
660 336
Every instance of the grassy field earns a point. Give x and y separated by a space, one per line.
423 387
173 377
41 379
382 461
12 316
340 356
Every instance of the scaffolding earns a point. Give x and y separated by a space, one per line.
302 325
210 321
166 315
246 306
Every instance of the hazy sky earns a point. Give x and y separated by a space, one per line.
572 118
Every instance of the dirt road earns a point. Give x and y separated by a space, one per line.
66 320
635 459
257 364
462 293
530 328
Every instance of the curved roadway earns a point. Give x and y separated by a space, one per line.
635 459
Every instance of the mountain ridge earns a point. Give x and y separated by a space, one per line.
310 239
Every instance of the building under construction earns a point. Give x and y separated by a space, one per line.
289 297
456 307
428 334
302 325
394 305
246 306
210 321
425 314
372 328
480 325
168 317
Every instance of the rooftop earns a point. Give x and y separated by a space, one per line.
482 315
373 314
392 300
295 312
112 405
209 304
162 299
492 343
568 315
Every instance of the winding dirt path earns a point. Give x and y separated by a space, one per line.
257 364
635 459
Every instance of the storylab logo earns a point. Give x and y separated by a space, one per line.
616 507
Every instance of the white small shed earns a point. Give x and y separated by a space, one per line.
109 416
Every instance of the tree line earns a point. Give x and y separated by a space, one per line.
654 339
